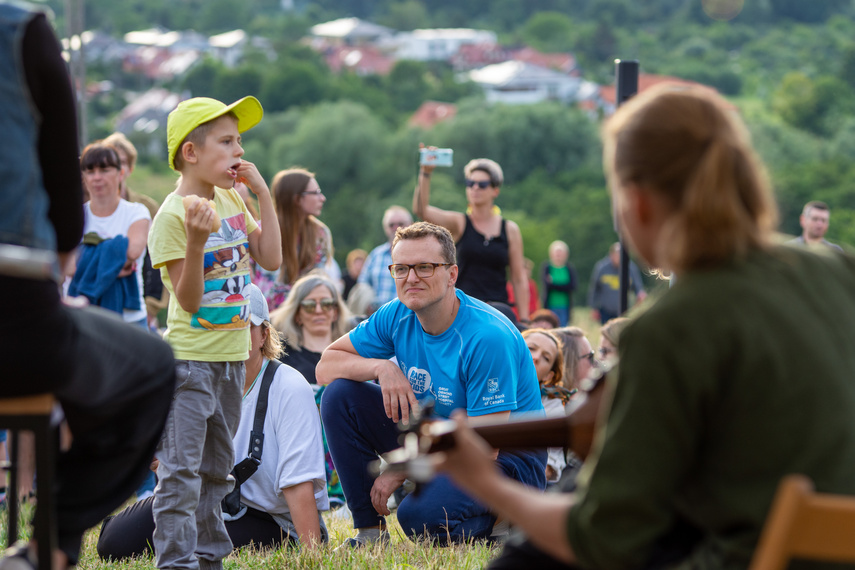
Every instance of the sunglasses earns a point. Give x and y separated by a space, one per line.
482 184
311 305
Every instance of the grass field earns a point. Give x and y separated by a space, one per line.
401 553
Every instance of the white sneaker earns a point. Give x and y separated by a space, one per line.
362 542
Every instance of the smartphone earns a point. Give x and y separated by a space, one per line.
436 156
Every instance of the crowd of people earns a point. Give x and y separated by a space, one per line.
279 379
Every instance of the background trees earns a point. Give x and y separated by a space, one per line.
788 66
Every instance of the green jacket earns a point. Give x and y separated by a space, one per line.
734 378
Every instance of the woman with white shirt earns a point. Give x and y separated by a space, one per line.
285 496
107 216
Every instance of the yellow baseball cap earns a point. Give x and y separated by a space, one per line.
193 112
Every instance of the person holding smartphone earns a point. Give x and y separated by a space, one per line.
488 245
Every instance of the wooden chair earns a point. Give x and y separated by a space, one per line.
32 413
805 524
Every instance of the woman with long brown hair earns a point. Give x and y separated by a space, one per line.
307 242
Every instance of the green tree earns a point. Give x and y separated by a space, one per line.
522 138
405 15
293 83
201 78
407 85
549 31
232 84
795 100
847 65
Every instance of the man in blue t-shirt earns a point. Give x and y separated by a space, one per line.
447 346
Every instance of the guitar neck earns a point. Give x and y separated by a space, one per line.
574 431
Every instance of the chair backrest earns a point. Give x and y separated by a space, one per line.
40 404
807 525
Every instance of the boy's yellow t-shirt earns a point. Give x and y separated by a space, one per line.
219 331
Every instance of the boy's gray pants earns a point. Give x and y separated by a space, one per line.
196 456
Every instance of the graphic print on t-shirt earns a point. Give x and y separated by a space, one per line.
225 303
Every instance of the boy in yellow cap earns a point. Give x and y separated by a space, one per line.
205 267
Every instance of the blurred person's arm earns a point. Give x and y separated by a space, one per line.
58 150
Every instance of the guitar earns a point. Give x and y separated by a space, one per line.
575 431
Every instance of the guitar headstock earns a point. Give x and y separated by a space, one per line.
417 440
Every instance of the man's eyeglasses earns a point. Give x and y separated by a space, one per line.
482 184
589 357
311 305
312 193
396 225
423 270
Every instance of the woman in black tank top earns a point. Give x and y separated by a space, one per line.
487 244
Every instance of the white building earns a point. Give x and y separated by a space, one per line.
517 82
437 44
350 31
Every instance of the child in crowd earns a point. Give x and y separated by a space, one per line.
201 240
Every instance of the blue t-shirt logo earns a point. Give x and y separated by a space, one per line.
419 380
493 385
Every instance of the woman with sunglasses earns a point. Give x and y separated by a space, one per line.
487 243
307 242
312 317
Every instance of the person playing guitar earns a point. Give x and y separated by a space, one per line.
739 374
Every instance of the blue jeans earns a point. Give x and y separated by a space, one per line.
358 431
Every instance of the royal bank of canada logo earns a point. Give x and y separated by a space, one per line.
493 385
419 380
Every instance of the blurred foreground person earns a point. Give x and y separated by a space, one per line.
733 379
113 380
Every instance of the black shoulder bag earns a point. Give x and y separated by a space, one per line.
233 509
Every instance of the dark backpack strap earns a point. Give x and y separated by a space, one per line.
256 437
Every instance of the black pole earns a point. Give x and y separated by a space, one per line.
626 80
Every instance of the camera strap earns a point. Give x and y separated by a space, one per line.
256 436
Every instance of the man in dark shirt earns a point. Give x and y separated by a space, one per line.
604 290
814 222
